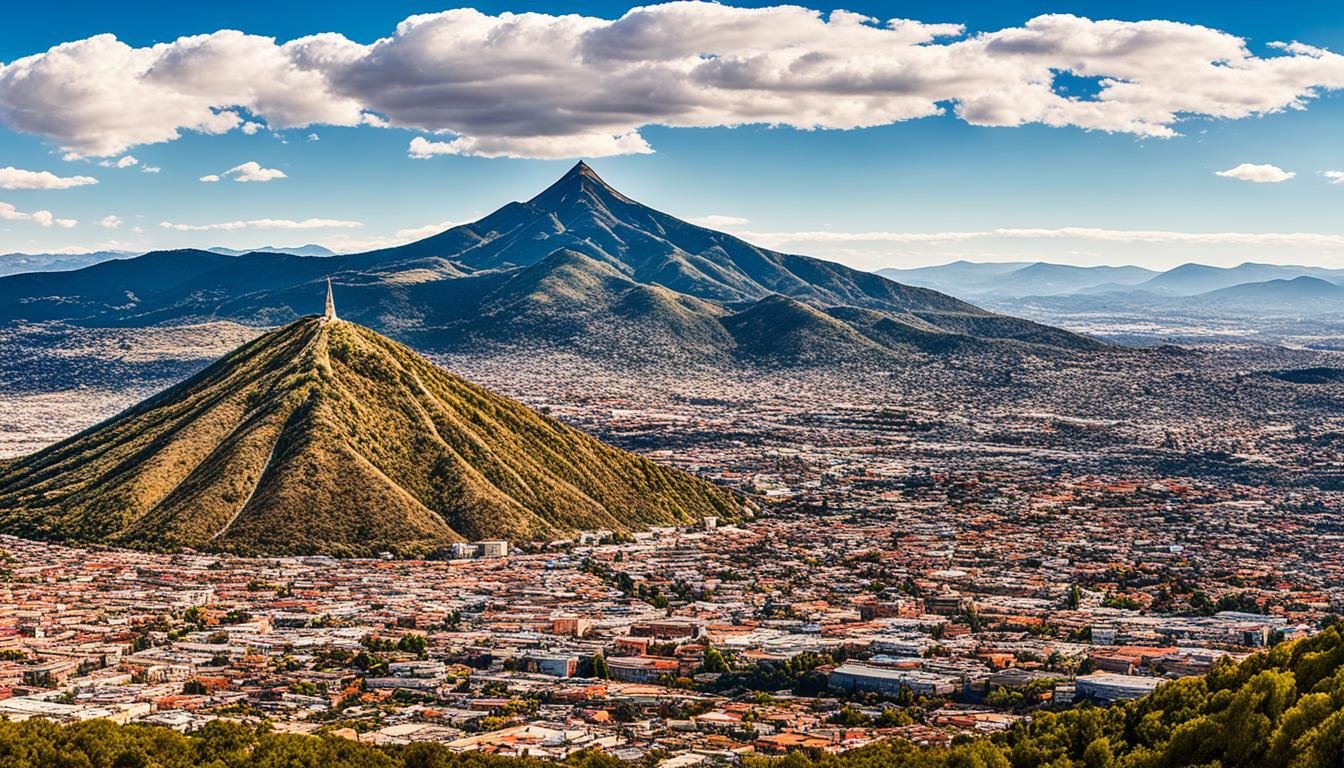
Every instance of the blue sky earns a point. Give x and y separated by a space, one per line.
962 188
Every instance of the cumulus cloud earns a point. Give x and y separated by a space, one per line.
716 221
264 224
250 171
150 169
417 233
110 221
124 162
251 128
1262 173
536 85
533 147
17 178
1334 177
210 178
42 218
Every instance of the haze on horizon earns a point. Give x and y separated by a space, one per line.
1136 134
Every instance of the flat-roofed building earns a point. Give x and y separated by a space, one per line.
553 664
849 677
1108 687
494 549
640 669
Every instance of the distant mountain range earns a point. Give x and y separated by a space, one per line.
1299 294
16 263
298 250
579 266
325 437
1189 288
965 278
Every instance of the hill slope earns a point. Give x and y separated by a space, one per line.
326 437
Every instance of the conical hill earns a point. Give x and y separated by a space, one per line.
326 437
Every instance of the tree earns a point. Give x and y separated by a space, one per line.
1075 597
973 616
850 717
413 643
1201 604
714 660
893 717
193 687
600 669
1098 753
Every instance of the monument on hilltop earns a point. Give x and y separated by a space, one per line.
329 316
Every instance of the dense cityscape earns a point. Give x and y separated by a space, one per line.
910 571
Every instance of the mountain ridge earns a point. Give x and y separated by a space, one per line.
984 280
450 290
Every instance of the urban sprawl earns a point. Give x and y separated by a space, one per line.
904 570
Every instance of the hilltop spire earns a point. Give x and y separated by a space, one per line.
330 315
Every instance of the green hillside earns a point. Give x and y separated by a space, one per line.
327 437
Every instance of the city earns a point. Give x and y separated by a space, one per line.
900 578
694 384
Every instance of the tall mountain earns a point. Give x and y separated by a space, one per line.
578 265
323 436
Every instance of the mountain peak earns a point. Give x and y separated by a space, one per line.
579 182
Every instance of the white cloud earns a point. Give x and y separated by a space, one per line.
209 178
343 243
1301 49
252 171
536 85
1258 173
418 233
313 137
124 162
42 218
715 221
1334 177
1304 239
110 221
540 148
17 178
75 250
251 128
150 169
264 224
